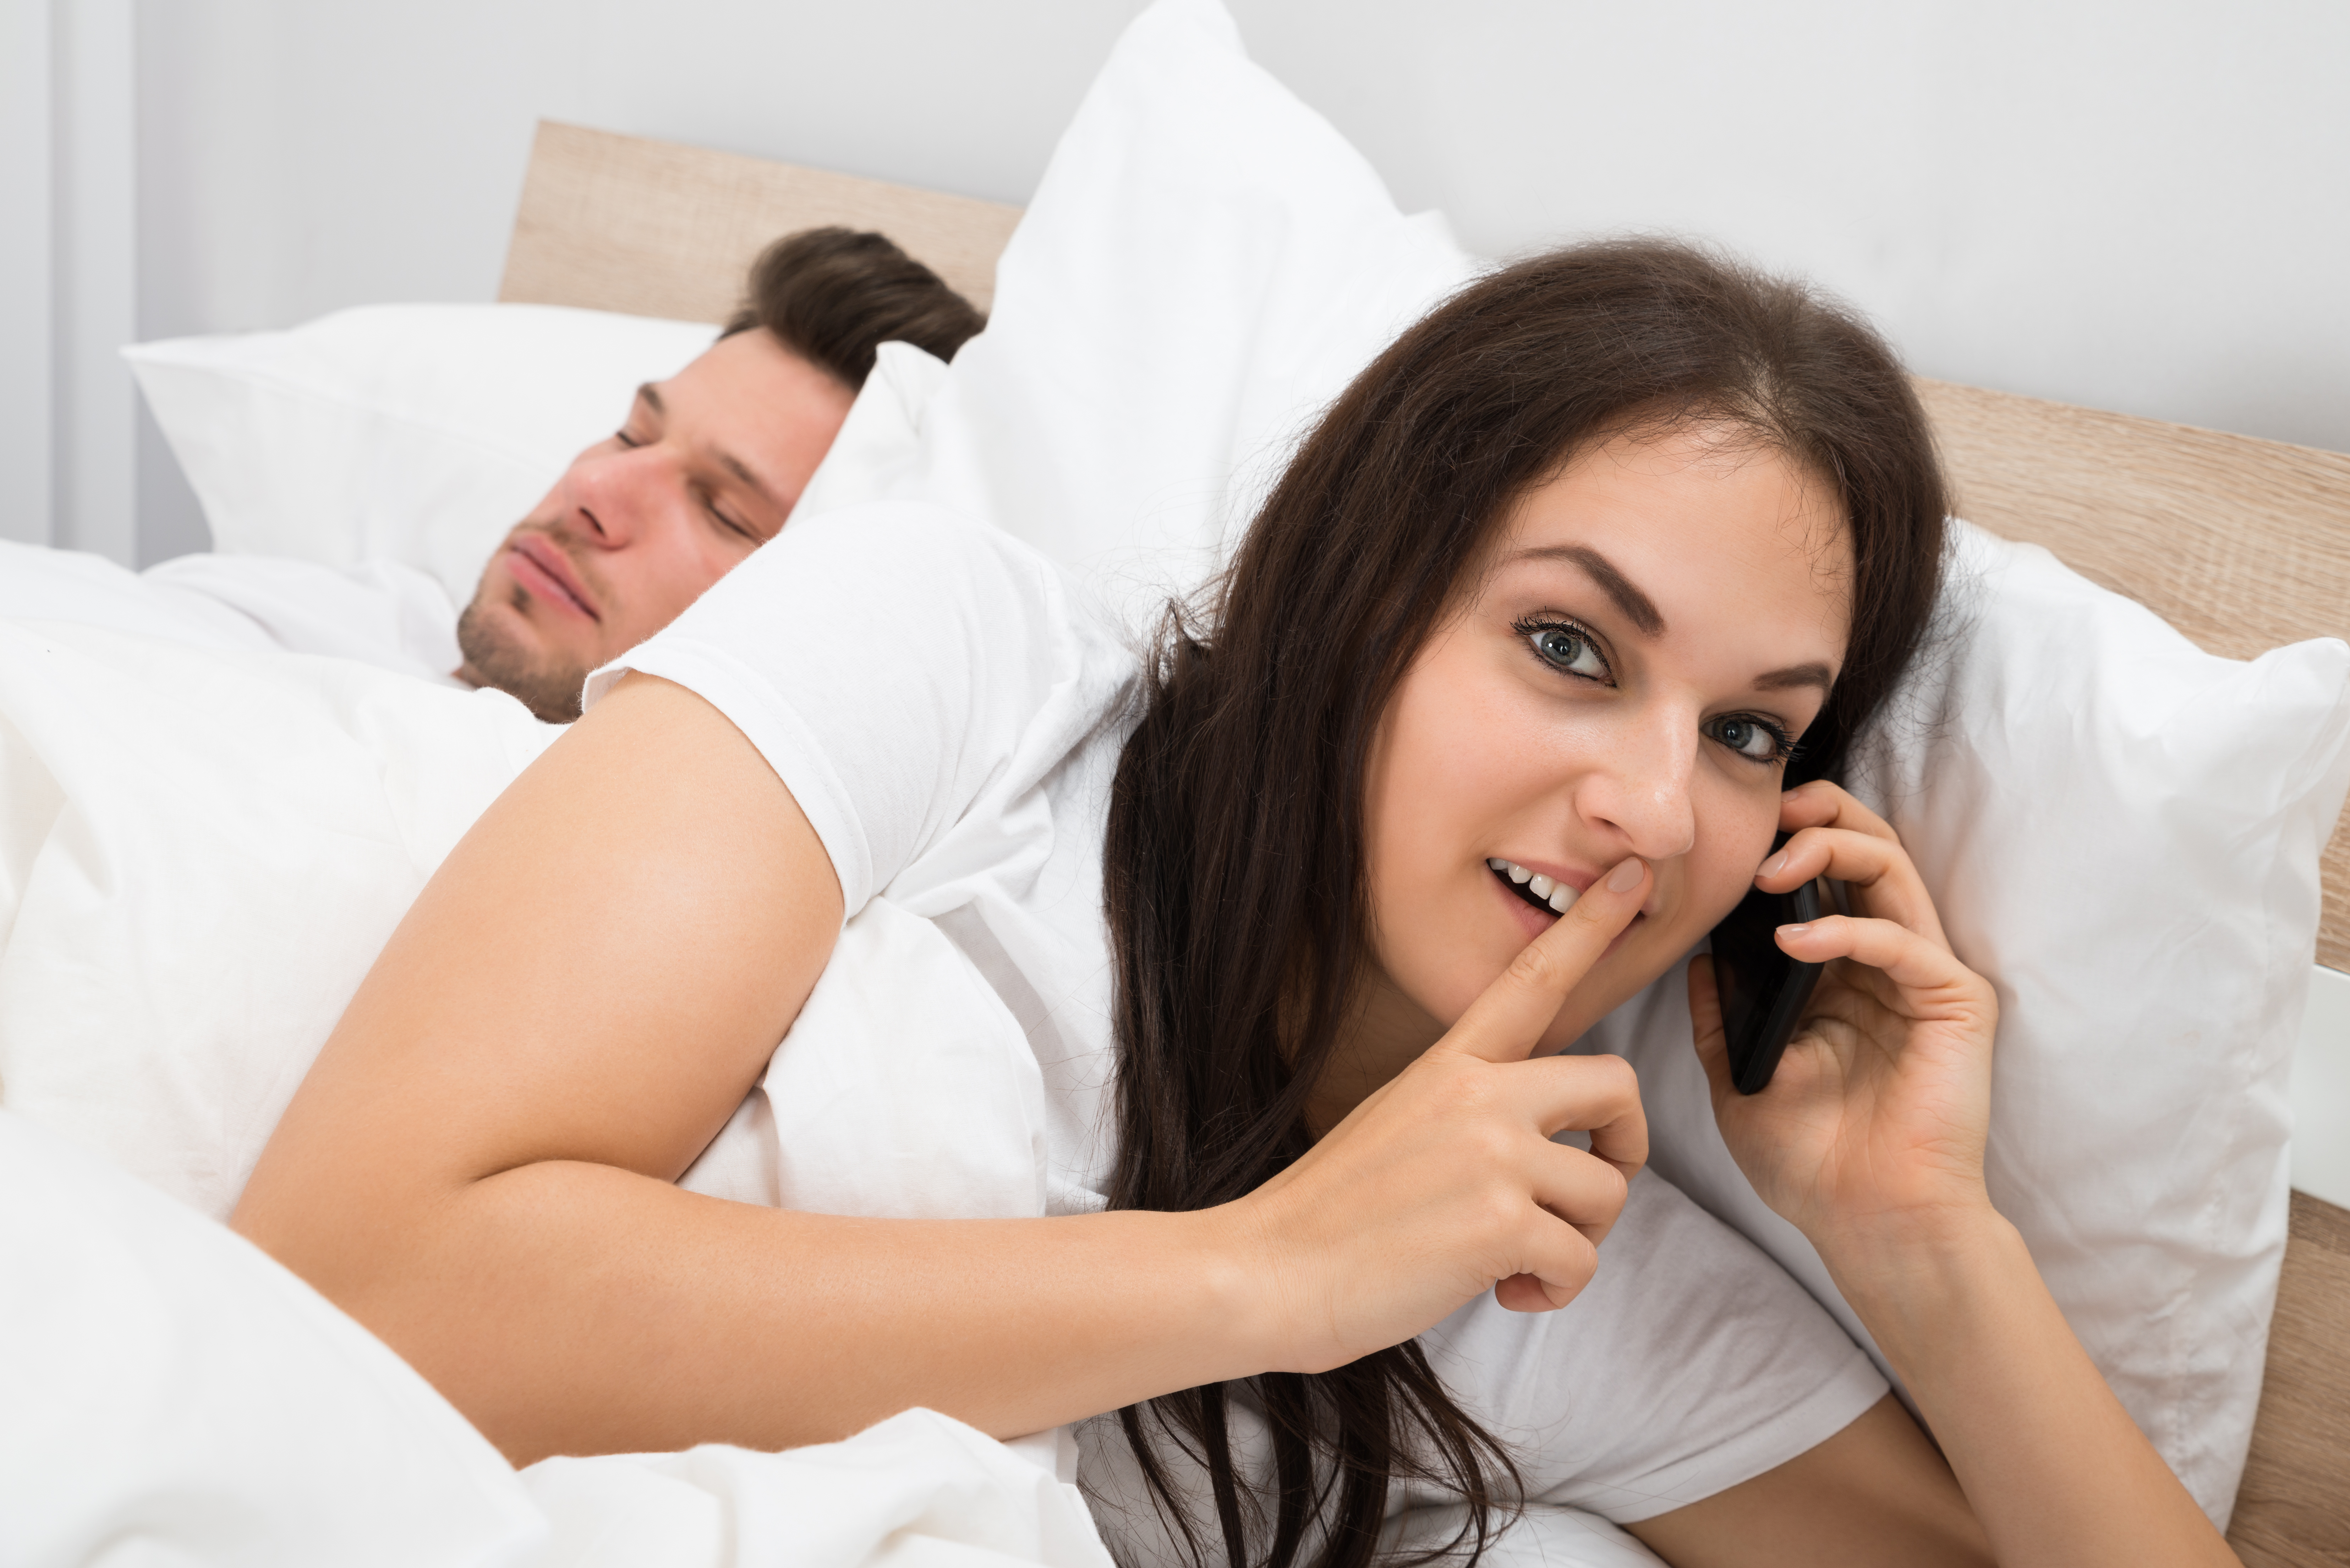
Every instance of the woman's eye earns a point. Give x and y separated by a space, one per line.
1750 738
625 438
1564 648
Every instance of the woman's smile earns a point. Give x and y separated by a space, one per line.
1557 895
1532 909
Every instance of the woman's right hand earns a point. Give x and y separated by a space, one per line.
1444 1182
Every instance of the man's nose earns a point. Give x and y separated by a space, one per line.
1643 789
613 496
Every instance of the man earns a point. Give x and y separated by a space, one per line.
705 468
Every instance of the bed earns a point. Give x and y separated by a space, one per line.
202 847
2240 544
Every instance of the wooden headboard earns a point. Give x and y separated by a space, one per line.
2240 544
652 228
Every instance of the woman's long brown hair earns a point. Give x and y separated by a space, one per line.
1233 868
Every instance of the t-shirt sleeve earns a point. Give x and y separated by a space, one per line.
890 661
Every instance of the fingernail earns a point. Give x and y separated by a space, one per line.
1627 876
1770 866
1796 930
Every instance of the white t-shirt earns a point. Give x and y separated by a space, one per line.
380 612
950 721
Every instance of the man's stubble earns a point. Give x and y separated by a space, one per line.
548 686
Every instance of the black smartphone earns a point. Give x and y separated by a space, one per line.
1762 989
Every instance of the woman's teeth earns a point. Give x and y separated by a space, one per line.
1557 895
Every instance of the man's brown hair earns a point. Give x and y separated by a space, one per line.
833 296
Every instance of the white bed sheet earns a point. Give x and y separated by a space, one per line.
169 1394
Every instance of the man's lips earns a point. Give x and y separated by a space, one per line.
538 564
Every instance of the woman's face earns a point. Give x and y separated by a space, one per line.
1652 630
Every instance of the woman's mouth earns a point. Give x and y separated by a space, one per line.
1550 897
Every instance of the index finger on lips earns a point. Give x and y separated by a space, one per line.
1505 1023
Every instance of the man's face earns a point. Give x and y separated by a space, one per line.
707 468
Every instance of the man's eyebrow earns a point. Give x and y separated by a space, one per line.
1637 607
736 466
1795 675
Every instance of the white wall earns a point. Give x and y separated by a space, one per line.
2136 205
67 293
2141 206
27 169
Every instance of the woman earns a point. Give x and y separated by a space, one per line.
1491 725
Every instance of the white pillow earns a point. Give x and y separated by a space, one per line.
1205 264
416 433
2121 831
876 445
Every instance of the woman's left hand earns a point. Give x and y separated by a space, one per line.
1872 1129
1871 1139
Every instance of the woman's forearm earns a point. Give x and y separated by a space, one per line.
569 1308
2050 1462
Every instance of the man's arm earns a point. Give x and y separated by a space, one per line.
479 1166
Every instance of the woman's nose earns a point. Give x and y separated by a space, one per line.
1643 792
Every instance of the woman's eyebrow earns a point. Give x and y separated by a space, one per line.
1795 675
1637 607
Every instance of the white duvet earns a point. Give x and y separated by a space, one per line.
201 852
170 1395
